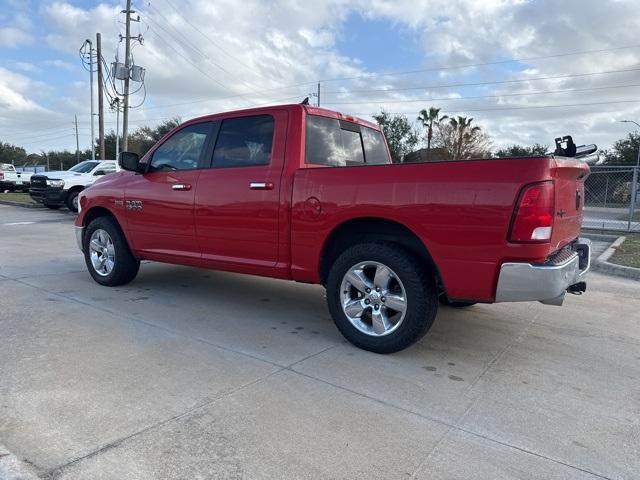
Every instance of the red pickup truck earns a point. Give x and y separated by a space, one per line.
307 194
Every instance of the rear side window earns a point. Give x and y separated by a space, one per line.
338 143
244 141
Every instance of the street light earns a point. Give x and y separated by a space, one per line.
634 182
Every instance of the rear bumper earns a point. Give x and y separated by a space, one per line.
548 282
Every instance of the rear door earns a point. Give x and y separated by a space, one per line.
160 202
569 176
238 198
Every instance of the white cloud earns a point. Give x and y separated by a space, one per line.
219 50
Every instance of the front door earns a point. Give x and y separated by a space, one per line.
238 198
160 202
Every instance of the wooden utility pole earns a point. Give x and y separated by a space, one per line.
127 65
318 93
100 96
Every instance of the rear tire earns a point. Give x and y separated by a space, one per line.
72 200
397 283
107 254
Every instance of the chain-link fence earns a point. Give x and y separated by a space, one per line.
609 192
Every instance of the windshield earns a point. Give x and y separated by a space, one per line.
6 167
84 167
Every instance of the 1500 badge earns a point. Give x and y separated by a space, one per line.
133 204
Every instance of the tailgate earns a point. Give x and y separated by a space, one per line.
569 176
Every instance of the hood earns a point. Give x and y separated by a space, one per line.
61 174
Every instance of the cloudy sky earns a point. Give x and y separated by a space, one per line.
526 71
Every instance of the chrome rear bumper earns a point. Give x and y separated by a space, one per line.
547 283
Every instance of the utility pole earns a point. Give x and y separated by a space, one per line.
93 134
77 143
100 96
117 101
318 93
127 55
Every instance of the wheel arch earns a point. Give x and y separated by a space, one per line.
356 230
98 211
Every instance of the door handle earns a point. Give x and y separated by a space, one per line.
181 186
261 185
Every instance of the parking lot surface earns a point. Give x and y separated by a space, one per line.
188 373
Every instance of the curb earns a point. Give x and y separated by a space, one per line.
19 204
603 265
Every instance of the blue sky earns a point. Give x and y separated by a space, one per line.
209 56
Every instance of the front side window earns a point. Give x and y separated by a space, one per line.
338 143
182 150
244 141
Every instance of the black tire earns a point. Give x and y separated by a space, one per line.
71 201
445 301
420 291
125 267
52 207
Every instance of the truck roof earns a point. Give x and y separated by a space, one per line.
292 106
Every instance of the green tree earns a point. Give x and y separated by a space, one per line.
141 139
401 136
429 118
624 151
12 154
522 150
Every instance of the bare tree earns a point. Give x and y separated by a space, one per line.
461 140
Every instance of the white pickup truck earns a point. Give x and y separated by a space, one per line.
55 189
11 179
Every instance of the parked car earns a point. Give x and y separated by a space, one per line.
55 189
11 179
307 194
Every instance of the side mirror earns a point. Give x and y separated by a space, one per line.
100 172
129 161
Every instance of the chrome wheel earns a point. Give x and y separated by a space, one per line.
373 298
102 252
75 201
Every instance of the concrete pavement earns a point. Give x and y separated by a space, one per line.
187 373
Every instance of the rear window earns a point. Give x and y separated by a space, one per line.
338 143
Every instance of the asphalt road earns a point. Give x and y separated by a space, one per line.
188 374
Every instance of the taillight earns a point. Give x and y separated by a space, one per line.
533 218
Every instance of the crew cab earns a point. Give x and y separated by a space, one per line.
12 179
307 194
61 188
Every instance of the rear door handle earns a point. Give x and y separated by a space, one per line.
181 186
261 186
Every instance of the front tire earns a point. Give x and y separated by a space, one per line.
52 207
72 200
380 297
107 254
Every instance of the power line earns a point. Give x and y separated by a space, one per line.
519 108
213 42
471 65
474 84
431 99
192 46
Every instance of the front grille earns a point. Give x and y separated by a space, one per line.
38 181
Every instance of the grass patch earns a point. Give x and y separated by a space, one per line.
16 197
628 254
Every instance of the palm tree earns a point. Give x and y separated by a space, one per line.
464 133
429 118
